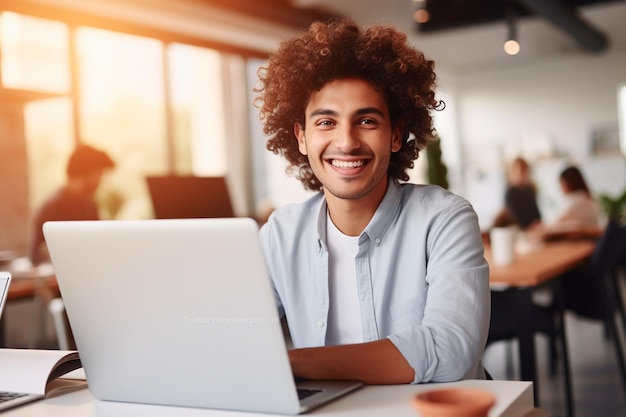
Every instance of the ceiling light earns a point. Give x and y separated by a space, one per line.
511 46
421 16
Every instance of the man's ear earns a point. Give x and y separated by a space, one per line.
396 139
298 130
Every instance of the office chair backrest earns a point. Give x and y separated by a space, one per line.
585 289
610 250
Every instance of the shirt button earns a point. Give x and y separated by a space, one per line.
320 323
377 241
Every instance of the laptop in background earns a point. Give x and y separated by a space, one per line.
5 282
184 197
178 312
11 399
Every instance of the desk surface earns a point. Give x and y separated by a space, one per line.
513 398
547 262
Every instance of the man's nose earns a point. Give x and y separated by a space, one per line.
347 139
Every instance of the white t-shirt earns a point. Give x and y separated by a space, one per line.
580 211
344 313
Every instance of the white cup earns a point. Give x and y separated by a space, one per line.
502 245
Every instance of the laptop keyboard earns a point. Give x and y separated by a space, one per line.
13 399
307 392
8 396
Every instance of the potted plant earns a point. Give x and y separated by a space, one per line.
613 207
437 170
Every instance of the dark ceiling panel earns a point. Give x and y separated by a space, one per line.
445 14
456 14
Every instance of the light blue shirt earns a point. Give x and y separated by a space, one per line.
422 279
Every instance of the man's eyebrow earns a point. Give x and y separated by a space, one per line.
359 112
323 112
370 110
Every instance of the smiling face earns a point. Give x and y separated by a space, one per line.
349 140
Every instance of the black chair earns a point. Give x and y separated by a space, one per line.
510 312
593 291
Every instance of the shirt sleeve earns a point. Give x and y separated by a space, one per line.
264 234
449 343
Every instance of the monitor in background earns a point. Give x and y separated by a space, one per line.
185 197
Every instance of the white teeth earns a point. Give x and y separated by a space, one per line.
347 164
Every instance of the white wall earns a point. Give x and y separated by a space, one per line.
546 111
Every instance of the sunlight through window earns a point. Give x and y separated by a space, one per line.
34 53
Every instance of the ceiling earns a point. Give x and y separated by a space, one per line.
469 34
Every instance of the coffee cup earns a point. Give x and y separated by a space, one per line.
502 245
453 402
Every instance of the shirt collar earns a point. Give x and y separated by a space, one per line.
387 211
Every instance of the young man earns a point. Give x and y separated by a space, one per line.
75 200
379 281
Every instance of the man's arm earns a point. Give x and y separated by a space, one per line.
378 362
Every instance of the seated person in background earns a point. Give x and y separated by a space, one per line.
520 198
75 200
583 293
379 281
581 210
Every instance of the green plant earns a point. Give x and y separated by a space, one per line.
437 171
614 207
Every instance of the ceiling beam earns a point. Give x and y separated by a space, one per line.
566 18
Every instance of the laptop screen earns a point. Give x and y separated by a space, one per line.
185 197
5 280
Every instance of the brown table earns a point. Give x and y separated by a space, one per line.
528 272
24 288
546 263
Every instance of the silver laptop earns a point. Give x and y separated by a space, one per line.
10 399
5 282
178 312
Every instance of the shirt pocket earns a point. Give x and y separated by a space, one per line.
409 309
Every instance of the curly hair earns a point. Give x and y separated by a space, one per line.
338 49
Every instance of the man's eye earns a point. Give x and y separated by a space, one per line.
368 122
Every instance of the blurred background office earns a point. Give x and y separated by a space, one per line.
165 87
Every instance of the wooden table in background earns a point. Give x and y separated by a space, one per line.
547 262
528 272
25 288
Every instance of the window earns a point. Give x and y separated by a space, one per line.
49 140
34 53
35 59
123 111
198 110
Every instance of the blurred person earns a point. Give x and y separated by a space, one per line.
581 210
379 280
75 200
520 198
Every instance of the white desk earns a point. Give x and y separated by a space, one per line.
513 398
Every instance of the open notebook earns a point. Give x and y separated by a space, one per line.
178 312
